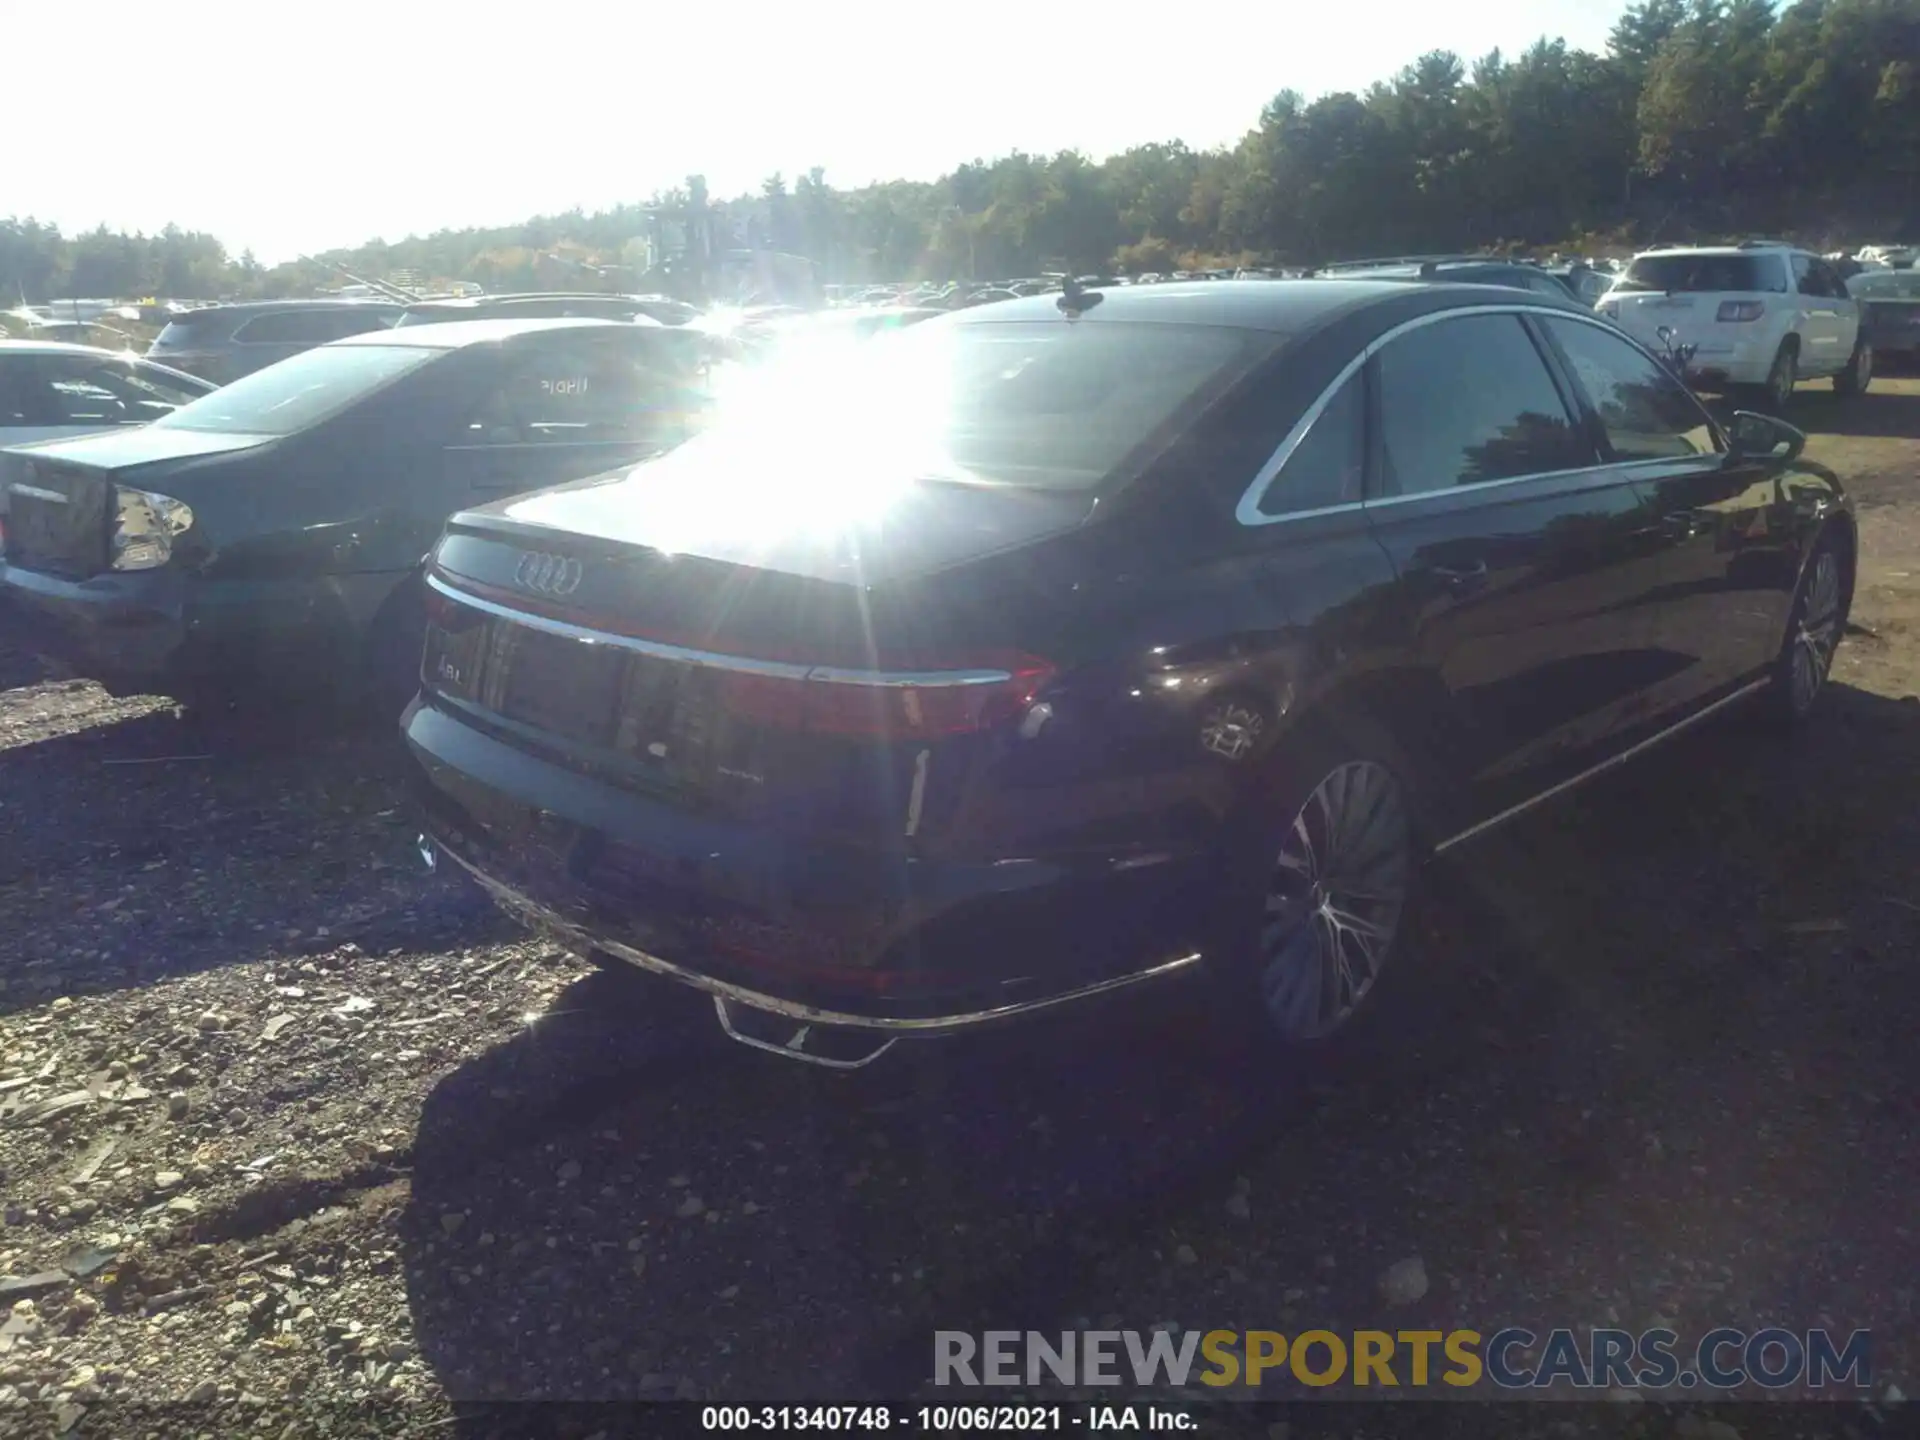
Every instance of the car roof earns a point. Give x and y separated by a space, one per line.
1769 248
63 347
249 307
1287 306
455 334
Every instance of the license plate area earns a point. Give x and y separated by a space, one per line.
564 687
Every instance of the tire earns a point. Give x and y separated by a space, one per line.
1814 626
1859 372
1319 890
393 646
1776 393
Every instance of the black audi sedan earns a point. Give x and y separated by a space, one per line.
1084 642
268 535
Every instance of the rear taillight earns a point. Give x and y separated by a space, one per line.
1741 310
921 704
445 613
144 527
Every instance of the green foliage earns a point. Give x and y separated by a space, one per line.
1703 117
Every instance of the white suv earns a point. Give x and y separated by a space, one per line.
1759 315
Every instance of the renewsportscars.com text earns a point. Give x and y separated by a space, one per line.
1509 1359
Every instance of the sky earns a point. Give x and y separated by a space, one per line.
283 129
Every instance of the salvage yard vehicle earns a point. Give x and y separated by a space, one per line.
223 342
51 391
1760 315
541 305
269 533
1890 311
1080 643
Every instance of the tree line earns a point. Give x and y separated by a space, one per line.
1702 118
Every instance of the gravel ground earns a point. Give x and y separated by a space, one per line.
280 1115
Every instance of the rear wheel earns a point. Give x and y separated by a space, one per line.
394 642
1859 372
1319 902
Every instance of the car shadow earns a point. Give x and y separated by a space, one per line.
154 844
619 1204
1876 414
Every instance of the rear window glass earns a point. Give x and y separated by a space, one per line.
195 329
309 327
1046 405
300 391
1687 274
1886 285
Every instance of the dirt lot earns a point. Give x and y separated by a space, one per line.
283 1116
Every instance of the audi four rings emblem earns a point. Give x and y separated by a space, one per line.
547 574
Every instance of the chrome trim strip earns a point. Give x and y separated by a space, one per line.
34 492
1249 513
795 1049
792 1009
656 648
829 675
659 649
1611 762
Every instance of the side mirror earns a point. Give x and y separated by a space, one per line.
1767 437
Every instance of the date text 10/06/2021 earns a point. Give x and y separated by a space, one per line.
936 1419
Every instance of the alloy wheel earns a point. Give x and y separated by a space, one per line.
1334 901
1816 632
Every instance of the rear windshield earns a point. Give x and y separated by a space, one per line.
196 328
1886 285
1049 405
1687 274
300 391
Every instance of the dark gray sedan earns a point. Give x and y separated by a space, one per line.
1889 311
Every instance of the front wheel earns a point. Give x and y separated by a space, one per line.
1859 372
1814 627
1777 392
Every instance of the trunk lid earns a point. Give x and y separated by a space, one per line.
829 667
58 497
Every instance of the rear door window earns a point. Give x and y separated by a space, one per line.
60 390
580 394
1468 400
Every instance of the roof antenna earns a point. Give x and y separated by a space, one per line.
1075 299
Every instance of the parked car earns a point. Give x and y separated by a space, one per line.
1889 311
1585 283
845 324
223 342
50 391
1082 642
652 309
1454 270
1894 257
267 535
1761 316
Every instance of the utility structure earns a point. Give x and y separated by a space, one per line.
700 254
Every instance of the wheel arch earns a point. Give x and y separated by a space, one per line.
1404 709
